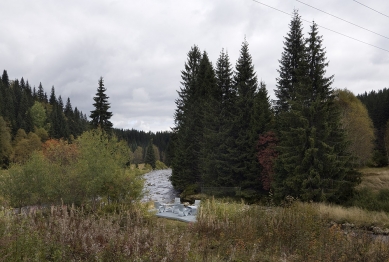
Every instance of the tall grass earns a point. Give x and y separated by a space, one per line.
359 217
375 179
224 232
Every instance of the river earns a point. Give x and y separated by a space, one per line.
158 186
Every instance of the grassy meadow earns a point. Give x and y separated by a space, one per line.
225 231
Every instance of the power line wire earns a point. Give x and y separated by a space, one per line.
325 28
371 8
343 19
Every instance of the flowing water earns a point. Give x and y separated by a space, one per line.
158 186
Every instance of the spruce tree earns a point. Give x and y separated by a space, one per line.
150 155
313 163
244 150
208 113
217 128
184 157
41 93
225 82
290 65
59 127
5 144
8 100
100 116
53 99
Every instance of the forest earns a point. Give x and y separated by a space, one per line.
308 143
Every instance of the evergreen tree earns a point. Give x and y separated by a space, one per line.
100 116
203 115
217 140
313 163
60 103
5 144
290 65
41 93
34 94
53 98
150 155
245 132
59 127
184 161
8 100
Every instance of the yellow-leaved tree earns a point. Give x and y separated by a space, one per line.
358 127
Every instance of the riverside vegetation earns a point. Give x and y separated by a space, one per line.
225 231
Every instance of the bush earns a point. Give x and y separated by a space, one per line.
159 165
369 200
98 171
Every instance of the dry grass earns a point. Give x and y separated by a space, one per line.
375 178
224 232
357 216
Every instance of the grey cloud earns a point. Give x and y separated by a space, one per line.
140 47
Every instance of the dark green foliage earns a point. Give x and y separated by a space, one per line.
247 123
369 200
312 163
135 138
59 126
17 99
290 65
100 116
41 93
53 98
5 144
150 155
218 120
185 156
217 128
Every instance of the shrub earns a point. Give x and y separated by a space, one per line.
160 165
93 168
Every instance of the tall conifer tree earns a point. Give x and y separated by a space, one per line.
246 85
184 156
217 129
313 163
100 116
290 65
150 157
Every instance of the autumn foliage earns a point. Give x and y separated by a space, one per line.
267 154
59 151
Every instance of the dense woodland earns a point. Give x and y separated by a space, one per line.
306 144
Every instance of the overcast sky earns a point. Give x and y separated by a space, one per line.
140 47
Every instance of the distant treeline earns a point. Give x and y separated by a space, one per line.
32 110
138 141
